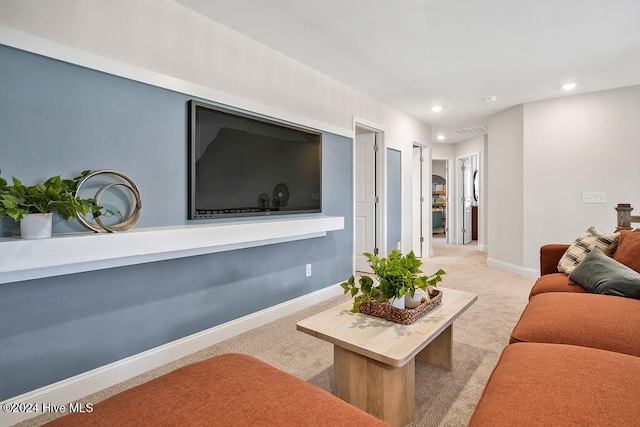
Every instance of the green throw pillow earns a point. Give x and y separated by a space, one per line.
600 274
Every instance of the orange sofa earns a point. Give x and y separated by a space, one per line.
227 390
573 357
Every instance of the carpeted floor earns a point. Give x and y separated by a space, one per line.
443 398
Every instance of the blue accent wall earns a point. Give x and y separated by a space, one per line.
58 118
394 199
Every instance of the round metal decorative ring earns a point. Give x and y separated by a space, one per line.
127 223
131 220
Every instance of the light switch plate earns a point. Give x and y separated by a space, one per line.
593 198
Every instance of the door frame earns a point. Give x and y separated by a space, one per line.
450 237
460 193
381 184
422 205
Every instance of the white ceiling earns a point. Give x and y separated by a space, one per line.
413 54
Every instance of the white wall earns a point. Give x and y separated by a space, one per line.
485 196
505 188
470 146
439 168
576 144
166 44
442 151
544 155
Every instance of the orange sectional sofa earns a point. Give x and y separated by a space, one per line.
574 356
227 390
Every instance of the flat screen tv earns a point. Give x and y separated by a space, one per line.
245 165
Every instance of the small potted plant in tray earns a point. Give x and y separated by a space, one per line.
33 206
398 276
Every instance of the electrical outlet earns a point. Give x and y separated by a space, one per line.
308 271
593 198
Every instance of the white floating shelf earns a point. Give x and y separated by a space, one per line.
61 254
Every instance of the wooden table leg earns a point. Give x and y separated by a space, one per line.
384 391
439 352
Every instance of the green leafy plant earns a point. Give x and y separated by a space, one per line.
397 275
54 195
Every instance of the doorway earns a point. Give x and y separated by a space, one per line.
468 177
369 192
440 190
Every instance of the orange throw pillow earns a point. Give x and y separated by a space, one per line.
628 252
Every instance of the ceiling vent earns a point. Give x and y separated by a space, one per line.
470 131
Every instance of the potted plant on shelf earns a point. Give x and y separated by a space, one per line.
397 276
33 206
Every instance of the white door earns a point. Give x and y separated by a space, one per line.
418 203
365 223
467 198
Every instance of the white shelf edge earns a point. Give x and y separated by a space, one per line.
22 259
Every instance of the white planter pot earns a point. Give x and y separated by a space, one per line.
413 302
397 303
36 226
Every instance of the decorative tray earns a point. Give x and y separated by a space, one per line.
404 316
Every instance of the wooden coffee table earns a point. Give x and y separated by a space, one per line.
374 359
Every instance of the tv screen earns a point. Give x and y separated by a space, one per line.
243 165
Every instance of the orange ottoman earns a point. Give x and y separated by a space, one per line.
227 390
554 384
598 321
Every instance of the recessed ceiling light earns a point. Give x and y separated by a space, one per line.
436 108
569 86
490 98
440 137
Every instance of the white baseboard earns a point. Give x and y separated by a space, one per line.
512 268
79 386
483 248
